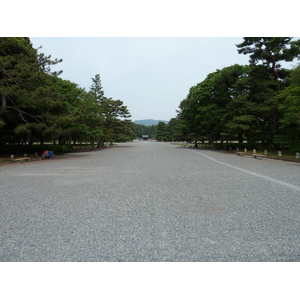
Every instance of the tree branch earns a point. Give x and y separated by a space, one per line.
21 112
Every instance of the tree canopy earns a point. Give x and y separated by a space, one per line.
38 106
255 103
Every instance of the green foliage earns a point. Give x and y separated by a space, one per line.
289 106
39 106
96 88
254 103
289 138
271 51
25 88
289 99
31 150
162 132
140 130
113 114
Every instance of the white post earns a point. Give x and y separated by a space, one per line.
12 157
254 151
297 155
266 152
279 153
245 150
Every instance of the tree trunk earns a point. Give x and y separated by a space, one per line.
273 123
100 143
240 138
273 68
30 143
4 104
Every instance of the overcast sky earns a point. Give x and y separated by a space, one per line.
150 75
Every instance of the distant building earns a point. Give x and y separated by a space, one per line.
145 136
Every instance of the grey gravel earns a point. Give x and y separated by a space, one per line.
149 201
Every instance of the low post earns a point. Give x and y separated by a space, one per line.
297 155
25 155
12 157
237 149
266 152
279 153
254 151
245 150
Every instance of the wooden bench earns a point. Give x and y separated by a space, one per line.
240 153
22 159
257 155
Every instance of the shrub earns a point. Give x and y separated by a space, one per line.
57 149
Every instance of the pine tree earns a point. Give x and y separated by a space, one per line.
271 51
111 111
96 88
24 87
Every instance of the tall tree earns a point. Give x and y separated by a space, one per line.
162 133
112 112
174 127
96 88
289 99
21 73
271 51
24 87
202 112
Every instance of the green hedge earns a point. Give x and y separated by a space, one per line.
13 149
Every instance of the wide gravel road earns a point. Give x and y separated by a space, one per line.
149 201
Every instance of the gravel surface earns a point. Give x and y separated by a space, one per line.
149 201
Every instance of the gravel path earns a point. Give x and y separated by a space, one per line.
148 201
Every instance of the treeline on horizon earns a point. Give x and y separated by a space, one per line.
255 105
258 103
